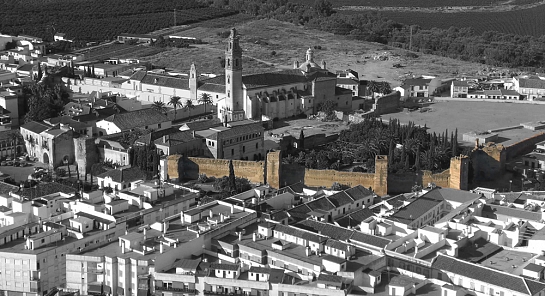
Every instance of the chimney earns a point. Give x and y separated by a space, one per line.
222 218
193 133
323 65
307 251
254 237
477 143
211 214
232 209
240 235
161 248
165 227
295 64
145 232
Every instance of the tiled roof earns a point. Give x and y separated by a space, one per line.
450 194
123 175
460 83
355 218
96 114
330 278
260 269
321 204
263 80
341 91
329 230
176 138
35 127
416 209
6 188
201 124
336 244
299 212
487 275
512 212
135 119
155 135
340 199
294 231
346 81
166 81
250 127
369 239
224 266
358 192
214 88
532 83
416 81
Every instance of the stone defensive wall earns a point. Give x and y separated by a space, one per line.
189 168
277 175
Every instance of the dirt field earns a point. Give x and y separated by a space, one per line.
475 116
289 42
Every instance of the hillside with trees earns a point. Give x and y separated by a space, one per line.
491 48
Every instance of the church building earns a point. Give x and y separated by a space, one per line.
272 95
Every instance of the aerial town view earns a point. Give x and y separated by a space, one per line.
272 147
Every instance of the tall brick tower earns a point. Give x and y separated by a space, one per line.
381 175
234 104
193 83
459 172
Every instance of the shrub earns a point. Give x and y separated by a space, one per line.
273 53
60 172
202 178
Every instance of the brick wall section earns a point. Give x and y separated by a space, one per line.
317 178
387 104
274 169
85 153
191 167
524 146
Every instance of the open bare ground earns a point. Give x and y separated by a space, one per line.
273 45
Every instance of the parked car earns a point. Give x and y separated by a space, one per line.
3 163
16 164
9 162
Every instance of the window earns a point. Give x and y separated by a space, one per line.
120 273
243 149
256 145
159 125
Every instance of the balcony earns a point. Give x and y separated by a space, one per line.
221 293
181 290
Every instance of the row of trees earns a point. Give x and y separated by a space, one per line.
176 103
409 148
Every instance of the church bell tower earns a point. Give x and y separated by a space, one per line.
233 110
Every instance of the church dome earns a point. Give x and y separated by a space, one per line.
309 63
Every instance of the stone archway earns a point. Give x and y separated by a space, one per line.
46 158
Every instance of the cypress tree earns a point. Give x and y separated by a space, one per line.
302 141
232 178
455 144
40 74
417 160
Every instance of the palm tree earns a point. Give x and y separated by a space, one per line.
175 102
188 106
373 87
159 106
205 99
